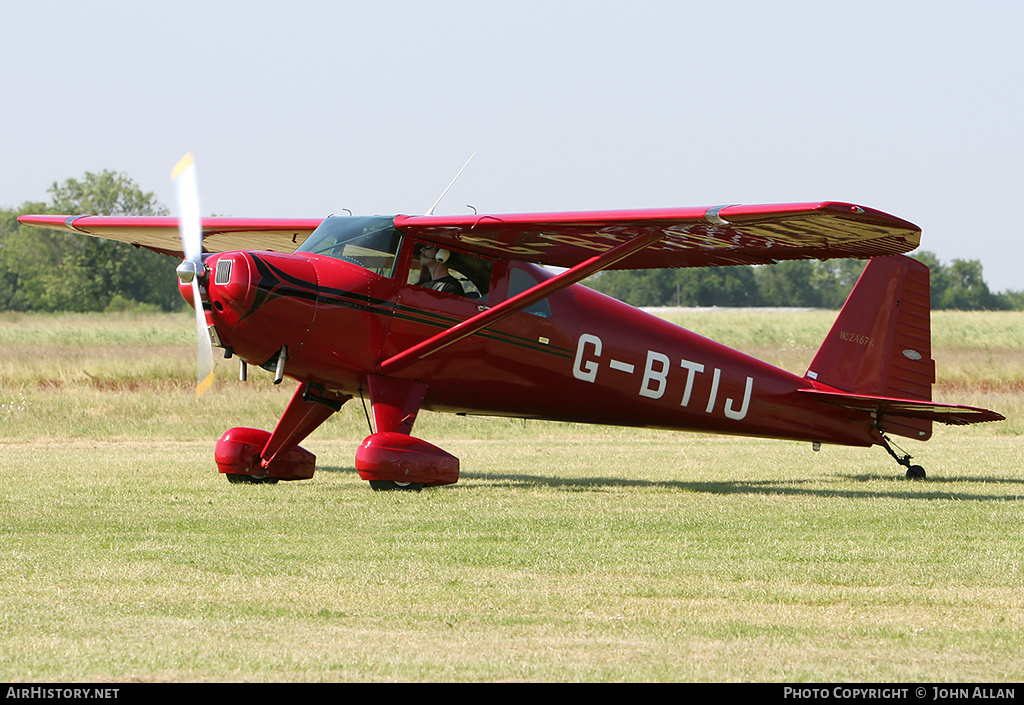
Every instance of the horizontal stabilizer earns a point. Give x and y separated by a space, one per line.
952 414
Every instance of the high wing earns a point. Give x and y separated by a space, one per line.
681 237
686 237
160 233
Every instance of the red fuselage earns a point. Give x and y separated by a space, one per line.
581 356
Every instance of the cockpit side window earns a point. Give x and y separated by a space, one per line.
518 282
371 242
456 273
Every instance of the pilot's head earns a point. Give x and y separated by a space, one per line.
432 253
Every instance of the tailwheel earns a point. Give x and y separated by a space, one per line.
392 486
240 479
915 472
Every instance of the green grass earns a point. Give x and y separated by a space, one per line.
565 553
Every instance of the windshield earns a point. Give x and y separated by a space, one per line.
369 241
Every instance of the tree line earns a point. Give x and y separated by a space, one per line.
800 283
47 270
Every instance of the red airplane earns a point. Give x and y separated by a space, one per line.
454 313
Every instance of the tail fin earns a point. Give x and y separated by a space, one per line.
878 355
880 344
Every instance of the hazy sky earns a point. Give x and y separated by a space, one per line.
309 108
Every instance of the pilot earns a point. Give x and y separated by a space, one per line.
435 271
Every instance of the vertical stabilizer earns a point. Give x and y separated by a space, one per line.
880 345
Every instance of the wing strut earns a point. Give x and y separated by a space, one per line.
516 303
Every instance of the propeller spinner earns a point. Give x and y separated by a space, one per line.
192 269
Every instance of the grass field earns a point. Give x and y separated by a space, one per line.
565 553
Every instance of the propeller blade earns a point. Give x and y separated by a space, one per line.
190 222
204 346
190 225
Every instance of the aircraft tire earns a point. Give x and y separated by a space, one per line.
915 472
240 479
392 486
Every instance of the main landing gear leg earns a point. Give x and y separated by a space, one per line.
914 472
390 458
250 456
